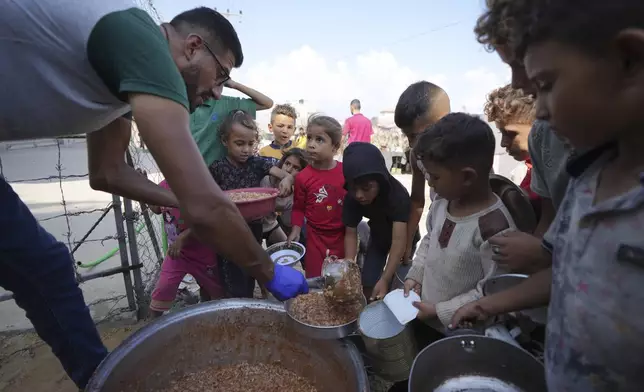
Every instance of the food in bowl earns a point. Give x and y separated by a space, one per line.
319 310
243 377
241 197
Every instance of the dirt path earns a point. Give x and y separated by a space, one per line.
27 364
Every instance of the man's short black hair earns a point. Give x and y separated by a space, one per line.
355 104
220 33
458 140
416 101
590 25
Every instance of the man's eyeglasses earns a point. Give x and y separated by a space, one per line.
223 76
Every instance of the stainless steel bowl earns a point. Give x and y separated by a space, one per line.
322 332
499 283
476 363
221 333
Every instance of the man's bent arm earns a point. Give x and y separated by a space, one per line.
163 125
109 172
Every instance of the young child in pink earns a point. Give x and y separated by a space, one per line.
186 255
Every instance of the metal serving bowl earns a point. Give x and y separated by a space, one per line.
322 332
286 254
220 333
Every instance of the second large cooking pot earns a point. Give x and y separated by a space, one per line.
476 363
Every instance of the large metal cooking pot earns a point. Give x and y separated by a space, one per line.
499 283
221 333
475 363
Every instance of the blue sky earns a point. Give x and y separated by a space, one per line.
363 49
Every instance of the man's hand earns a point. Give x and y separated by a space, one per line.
469 314
286 186
287 283
411 284
425 310
519 252
380 289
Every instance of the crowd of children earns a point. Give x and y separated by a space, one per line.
582 185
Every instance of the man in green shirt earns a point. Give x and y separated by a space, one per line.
92 63
206 119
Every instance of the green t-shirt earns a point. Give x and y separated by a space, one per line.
205 122
131 55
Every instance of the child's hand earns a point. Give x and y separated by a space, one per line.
294 236
174 250
411 284
469 314
286 186
379 290
517 251
425 310
407 258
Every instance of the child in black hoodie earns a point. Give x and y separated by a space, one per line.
375 194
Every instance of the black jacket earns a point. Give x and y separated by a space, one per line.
392 204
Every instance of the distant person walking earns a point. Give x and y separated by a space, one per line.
357 128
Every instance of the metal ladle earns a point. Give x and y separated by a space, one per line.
333 271
334 279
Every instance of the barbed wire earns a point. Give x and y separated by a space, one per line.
69 235
50 178
78 213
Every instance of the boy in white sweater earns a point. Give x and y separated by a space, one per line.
455 258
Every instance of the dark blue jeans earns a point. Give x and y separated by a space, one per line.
39 271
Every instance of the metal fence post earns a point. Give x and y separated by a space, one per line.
139 289
153 235
125 263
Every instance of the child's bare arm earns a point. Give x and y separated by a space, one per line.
278 173
299 204
263 102
174 250
350 243
187 233
397 250
531 293
286 183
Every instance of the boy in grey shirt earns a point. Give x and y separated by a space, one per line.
590 84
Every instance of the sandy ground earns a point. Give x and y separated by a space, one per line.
27 364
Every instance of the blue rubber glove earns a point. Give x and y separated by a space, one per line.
287 283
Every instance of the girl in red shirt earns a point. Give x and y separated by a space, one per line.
319 194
